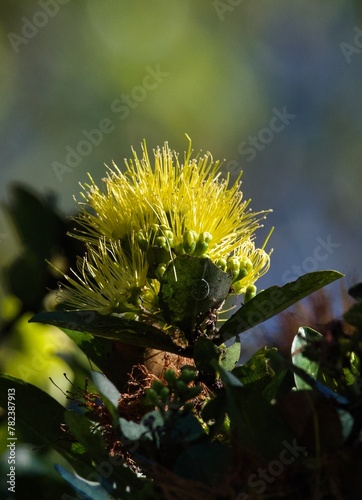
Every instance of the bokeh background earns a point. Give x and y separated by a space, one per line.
221 70
274 88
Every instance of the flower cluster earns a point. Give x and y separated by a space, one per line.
147 216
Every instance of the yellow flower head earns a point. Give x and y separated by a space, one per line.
150 214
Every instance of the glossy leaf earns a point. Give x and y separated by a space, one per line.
111 327
272 301
108 390
304 336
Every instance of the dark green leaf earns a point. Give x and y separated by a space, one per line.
206 462
111 327
272 301
190 287
252 418
85 432
354 315
204 352
304 336
356 291
187 428
43 416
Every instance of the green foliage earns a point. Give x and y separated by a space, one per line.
274 300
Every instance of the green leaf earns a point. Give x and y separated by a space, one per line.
111 327
354 315
84 431
230 355
91 489
256 368
272 301
43 416
108 390
190 287
304 336
207 462
204 352
187 428
252 418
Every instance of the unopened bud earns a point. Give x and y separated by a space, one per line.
222 264
202 243
250 293
245 267
189 241
233 265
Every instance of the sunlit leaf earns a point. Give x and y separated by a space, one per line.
272 301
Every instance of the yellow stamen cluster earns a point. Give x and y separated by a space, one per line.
150 214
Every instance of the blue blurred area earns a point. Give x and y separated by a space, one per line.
97 77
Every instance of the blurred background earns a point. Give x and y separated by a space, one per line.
271 88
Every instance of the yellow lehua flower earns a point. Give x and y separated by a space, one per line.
149 215
183 197
108 281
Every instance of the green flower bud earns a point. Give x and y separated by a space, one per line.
179 249
238 287
153 231
151 396
161 242
189 241
202 243
157 386
181 387
164 394
193 392
233 266
245 267
187 375
142 241
250 293
160 271
222 264
170 377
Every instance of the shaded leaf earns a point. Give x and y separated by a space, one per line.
204 352
252 418
207 462
272 301
304 336
43 416
111 327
